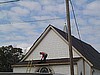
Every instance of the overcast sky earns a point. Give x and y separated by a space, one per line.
21 23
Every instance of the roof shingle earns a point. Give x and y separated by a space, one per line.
85 49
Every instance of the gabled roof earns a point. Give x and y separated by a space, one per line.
85 49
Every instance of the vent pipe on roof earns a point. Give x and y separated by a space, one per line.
65 29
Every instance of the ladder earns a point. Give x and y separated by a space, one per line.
29 66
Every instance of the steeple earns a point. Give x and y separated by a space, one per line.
65 29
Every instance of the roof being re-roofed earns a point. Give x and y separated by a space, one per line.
85 49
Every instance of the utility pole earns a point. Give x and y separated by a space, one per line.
69 38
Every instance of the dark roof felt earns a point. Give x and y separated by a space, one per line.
61 60
85 49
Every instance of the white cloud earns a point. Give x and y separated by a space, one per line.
54 9
20 11
92 8
32 5
44 17
6 28
80 2
14 17
14 37
22 25
51 2
94 21
45 2
3 14
26 29
23 45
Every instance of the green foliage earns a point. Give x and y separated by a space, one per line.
9 56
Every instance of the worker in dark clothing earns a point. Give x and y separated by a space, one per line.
44 56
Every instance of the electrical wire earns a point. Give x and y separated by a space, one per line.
80 42
75 20
9 1
46 19
38 20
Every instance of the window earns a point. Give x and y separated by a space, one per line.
44 70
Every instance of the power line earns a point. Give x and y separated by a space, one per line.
75 19
38 20
80 43
45 20
9 1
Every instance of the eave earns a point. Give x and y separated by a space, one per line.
49 62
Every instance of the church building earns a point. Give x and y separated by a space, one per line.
54 42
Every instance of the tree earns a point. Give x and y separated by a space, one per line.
9 56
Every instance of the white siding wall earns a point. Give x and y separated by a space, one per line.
83 65
64 69
80 67
23 69
61 69
96 72
87 69
53 45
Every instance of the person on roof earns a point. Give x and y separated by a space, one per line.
44 56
